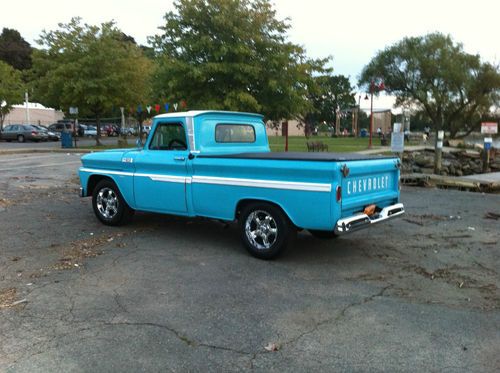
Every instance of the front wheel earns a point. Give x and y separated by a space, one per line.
265 230
109 205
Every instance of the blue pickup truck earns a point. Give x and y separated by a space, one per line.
218 165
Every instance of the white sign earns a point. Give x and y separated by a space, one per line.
397 127
73 110
489 127
397 142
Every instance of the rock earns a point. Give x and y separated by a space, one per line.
424 161
427 170
458 172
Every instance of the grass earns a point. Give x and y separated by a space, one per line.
295 144
335 144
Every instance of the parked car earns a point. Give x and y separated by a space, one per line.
146 129
129 131
65 126
52 136
22 133
219 165
90 131
110 130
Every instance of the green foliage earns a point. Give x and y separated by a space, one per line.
326 95
14 50
232 55
94 68
453 87
11 90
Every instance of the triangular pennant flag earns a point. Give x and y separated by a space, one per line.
167 106
139 109
183 104
175 106
148 108
157 108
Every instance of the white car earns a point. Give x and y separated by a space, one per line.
90 131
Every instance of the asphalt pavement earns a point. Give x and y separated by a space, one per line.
172 294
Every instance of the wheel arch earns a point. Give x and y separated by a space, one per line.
247 201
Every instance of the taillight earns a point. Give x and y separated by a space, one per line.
34 133
339 193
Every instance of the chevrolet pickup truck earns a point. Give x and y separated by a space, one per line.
219 165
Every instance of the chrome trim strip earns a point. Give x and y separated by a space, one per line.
254 183
272 184
109 172
165 178
356 222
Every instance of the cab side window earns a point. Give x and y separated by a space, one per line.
169 136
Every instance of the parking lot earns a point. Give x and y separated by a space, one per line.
171 294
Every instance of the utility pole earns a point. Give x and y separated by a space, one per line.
26 99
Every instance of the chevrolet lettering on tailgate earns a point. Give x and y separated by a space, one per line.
218 165
368 184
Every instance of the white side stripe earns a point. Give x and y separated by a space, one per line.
272 184
254 183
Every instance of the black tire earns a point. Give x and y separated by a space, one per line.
20 138
273 218
109 205
324 235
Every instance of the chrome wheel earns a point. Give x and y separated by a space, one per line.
107 203
261 229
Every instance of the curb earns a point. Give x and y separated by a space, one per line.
34 150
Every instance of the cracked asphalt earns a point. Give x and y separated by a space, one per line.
173 294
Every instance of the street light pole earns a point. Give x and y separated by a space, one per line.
371 118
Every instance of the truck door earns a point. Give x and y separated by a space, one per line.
160 177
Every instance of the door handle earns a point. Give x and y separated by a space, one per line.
179 158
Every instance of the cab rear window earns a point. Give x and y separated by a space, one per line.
227 133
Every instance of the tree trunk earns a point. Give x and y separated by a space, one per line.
98 136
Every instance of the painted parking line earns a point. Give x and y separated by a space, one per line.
39 165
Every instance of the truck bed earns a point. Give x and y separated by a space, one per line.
299 156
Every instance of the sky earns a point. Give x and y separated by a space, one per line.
351 31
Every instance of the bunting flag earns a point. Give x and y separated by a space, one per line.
183 104
139 109
175 106
148 108
157 108
167 106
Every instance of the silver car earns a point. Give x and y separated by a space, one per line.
22 132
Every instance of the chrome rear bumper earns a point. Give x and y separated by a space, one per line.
360 221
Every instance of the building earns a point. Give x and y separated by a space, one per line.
38 114
295 128
382 119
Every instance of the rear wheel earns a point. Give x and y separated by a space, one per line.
109 205
20 138
265 230
324 235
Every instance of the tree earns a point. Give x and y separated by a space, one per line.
11 90
14 50
232 55
435 74
328 94
94 68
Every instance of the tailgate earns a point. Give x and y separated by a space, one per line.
366 182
